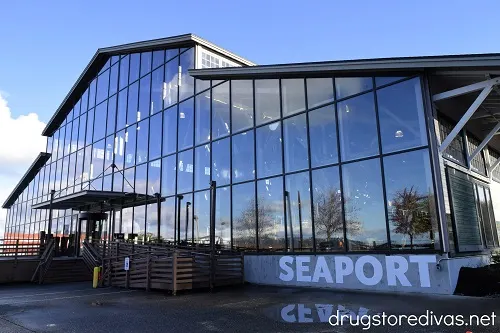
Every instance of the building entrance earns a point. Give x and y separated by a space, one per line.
89 228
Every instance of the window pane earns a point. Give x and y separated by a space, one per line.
293 96
221 172
270 214
122 110
243 157
347 86
401 112
102 86
157 87
113 80
295 132
152 222
154 177
168 176
364 206
328 220
167 219
135 61
223 217
170 53
142 141
74 135
139 222
380 81
108 157
110 123
127 220
269 150
145 62
186 88
158 58
132 114
171 84
130 138
97 160
241 104
201 216
185 172
244 217
145 97
410 200
92 91
186 115
202 165
267 100
220 111
100 121
323 134
128 181
169 131
186 218
155 136
358 127
124 66
319 91
119 149
203 117
298 201
90 130
85 100
117 182
141 174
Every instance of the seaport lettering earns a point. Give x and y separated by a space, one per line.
393 268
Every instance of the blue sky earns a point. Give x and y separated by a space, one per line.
46 45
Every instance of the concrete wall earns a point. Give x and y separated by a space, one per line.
395 273
20 271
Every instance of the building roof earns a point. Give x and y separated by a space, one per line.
102 55
388 65
26 179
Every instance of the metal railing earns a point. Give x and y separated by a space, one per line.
15 248
45 261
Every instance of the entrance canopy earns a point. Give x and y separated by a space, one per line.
89 200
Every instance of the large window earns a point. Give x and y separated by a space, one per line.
325 164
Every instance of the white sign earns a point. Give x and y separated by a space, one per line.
394 269
126 266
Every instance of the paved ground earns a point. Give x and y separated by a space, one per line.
77 308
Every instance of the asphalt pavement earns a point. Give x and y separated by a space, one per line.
76 307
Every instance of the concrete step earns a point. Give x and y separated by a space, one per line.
67 270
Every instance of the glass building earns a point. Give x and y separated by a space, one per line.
368 156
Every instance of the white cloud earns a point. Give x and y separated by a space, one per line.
20 143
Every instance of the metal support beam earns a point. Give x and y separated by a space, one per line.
465 90
493 166
461 123
483 144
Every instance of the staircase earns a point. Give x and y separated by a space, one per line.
67 270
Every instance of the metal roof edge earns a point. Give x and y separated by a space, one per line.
39 161
407 63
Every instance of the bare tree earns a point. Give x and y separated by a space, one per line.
328 215
245 228
410 213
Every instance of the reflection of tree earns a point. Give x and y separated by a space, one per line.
328 215
244 228
410 213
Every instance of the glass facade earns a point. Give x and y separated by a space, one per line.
300 164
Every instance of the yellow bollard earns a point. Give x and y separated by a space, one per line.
95 279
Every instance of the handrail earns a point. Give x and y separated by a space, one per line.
45 260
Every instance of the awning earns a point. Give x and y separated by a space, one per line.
97 201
